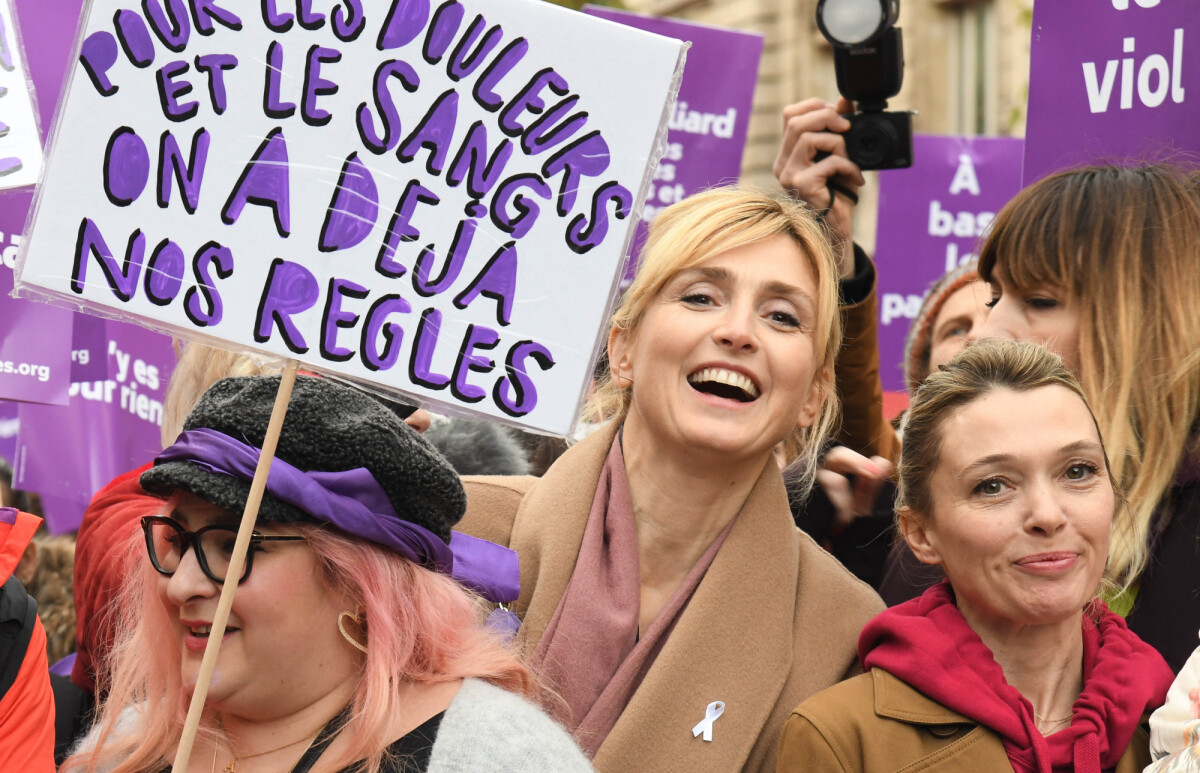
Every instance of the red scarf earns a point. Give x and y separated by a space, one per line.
927 643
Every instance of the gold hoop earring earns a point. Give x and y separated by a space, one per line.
358 618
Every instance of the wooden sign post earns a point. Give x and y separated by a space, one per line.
429 199
236 562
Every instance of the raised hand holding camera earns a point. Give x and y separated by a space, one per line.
868 57
812 166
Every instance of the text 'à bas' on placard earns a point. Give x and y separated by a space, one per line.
290 289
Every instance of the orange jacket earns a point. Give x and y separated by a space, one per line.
27 708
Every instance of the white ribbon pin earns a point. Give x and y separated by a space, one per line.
711 714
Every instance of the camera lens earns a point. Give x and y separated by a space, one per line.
871 141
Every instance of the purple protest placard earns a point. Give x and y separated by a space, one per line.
1124 84
9 423
430 199
89 339
707 130
930 219
109 427
20 143
37 339
35 348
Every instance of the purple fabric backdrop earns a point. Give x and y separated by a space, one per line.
930 219
8 430
35 349
37 338
110 426
707 131
1124 83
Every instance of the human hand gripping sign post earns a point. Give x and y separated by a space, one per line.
427 198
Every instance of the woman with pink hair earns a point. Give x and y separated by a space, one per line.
352 643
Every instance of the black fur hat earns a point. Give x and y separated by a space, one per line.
329 427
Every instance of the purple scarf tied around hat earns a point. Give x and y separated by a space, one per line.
353 501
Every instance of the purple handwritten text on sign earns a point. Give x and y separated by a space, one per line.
109 427
707 132
930 219
1128 86
435 199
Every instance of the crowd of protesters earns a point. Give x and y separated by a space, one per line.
699 583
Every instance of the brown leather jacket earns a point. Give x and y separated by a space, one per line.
876 723
856 372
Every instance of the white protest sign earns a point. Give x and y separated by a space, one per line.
432 198
20 144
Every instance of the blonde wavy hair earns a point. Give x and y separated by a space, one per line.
1121 242
198 368
703 226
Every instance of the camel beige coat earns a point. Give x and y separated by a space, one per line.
877 723
775 619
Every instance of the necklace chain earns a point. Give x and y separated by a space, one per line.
1048 723
232 766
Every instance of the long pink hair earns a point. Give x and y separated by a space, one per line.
422 627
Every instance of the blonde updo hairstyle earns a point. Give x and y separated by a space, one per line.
708 224
982 368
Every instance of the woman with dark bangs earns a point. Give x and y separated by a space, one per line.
1100 264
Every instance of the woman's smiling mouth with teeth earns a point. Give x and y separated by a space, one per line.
711 380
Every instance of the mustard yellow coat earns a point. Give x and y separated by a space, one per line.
775 619
876 723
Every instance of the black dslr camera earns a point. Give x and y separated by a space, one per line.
868 57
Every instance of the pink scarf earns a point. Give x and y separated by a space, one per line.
590 651
927 643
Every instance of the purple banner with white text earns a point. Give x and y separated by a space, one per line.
1116 85
931 217
707 132
109 427
35 348
38 358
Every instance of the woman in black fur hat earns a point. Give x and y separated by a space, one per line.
351 644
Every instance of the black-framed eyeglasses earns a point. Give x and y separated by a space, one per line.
167 541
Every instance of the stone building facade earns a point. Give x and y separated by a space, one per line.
966 68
